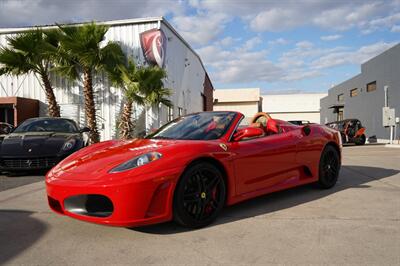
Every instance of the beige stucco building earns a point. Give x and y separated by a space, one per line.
304 106
300 106
247 101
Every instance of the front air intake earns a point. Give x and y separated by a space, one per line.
89 205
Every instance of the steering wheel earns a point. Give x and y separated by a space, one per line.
260 119
40 129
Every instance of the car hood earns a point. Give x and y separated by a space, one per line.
93 162
33 144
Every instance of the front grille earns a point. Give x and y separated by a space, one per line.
29 163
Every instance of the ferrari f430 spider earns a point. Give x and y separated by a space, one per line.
190 168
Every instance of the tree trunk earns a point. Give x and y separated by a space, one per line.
90 109
53 109
125 125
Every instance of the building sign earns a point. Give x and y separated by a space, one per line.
154 44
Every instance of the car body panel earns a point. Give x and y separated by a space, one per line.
144 195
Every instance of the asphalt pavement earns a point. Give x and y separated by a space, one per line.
356 222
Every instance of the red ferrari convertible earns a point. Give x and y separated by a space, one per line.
190 168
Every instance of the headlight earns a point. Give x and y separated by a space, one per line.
137 161
69 144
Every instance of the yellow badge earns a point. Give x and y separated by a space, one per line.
223 146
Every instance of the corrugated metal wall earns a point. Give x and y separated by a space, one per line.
185 77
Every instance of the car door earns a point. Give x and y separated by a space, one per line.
265 162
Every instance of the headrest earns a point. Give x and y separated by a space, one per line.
272 126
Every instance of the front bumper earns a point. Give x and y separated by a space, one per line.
128 202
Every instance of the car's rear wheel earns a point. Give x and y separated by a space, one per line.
360 140
199 195
329 166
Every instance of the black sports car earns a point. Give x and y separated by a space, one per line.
40 143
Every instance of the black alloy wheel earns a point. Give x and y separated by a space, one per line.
199 195
329 167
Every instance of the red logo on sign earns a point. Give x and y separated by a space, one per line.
154 44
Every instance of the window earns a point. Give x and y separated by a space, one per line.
340 97
371 86
180 111
170 113
354 92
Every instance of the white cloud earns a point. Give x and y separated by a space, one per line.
299 74
251 43
15 13
331 37
242 64
279 41
227 41
239 65
395 28
274 20
304 45
381 23
356 57
277 16
201 28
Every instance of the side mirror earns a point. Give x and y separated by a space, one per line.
8 130
85 129
306 130
248 132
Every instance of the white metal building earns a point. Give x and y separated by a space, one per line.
247 101
293 106
187 77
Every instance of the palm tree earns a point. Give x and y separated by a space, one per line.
143 86
32 52
81 52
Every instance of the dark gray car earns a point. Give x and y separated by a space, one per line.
40 143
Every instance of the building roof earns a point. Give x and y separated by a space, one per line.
237 95
113 23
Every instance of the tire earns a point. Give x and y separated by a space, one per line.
329 167
199 196
361 140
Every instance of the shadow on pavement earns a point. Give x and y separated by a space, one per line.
351 176
18 231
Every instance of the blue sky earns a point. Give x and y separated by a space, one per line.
279 46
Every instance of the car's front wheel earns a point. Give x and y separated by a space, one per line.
199 196
329 166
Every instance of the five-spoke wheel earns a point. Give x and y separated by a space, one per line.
199 195
329 167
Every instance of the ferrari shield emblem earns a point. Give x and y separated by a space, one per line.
154 45
223 146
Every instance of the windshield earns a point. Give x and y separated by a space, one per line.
199 126
47 125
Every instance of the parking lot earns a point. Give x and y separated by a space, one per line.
357 222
